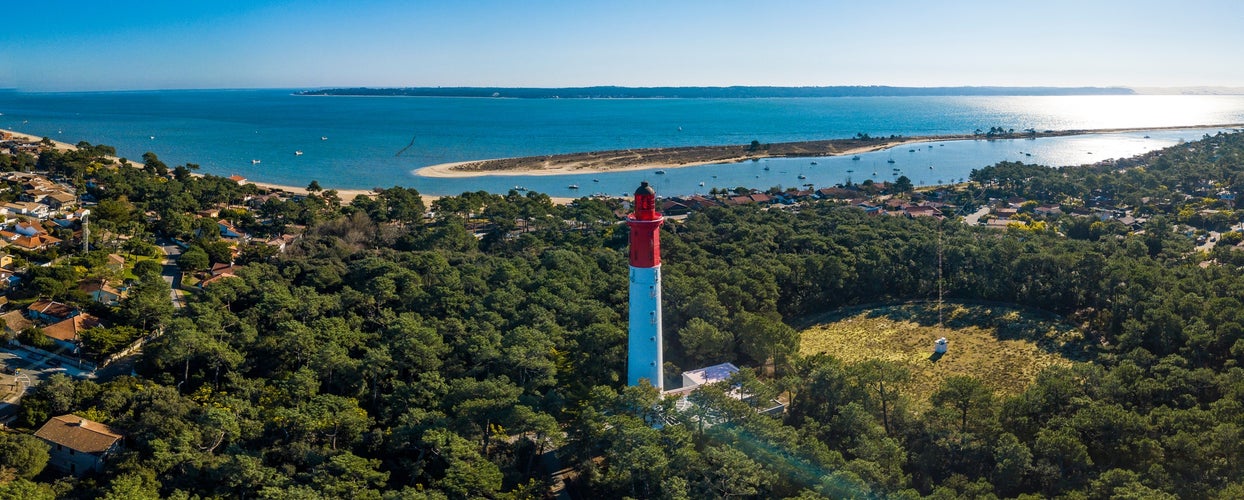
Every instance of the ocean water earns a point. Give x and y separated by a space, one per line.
366 142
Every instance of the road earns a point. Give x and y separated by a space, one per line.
974 218
170 272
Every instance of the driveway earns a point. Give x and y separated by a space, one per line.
974 218
170 272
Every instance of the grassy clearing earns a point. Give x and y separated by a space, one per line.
1003 347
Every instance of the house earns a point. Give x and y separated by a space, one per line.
1048 210
219 272
694 379
28 228
282 241
49 311
227 231
79 445
68 333
15 322
238 179
671 207
33 243
27 208
8 278
922 211
101 292
60 200
115 263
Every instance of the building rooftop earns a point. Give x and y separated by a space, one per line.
77 433
711 374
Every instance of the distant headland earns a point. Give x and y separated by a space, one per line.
689 156
737 92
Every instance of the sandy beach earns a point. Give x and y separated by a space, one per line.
669 158
346 195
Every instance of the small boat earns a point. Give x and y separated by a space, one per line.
891 160
1027 154
701 184
874 173
849 171
714 176
801 176
519 188
856 158
659 172
298 153
766 169
323 138
930 146
573 186
930 167
153 137
1146 137
911 151
595 180
814 163
254 162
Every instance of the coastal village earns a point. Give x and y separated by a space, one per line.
68 321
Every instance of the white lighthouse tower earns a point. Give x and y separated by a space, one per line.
644 358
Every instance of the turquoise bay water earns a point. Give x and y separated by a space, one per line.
223 131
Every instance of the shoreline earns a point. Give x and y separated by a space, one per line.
625 160
656 158
346 195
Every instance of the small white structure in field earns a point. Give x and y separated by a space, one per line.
939 347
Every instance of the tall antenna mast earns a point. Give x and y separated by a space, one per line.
939 273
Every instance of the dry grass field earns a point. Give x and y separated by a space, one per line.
1002 346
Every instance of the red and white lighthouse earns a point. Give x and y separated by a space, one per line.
644 358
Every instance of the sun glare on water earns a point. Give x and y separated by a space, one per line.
1119 111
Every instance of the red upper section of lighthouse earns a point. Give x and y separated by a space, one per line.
645 223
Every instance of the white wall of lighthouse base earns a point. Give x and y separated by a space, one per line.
644 359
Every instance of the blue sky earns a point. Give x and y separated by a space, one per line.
116 45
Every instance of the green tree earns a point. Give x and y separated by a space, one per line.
194 259
147 268
704 343
25 454
903 184
969 398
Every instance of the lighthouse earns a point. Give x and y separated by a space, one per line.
644 358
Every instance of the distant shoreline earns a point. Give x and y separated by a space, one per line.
669 158
733 92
